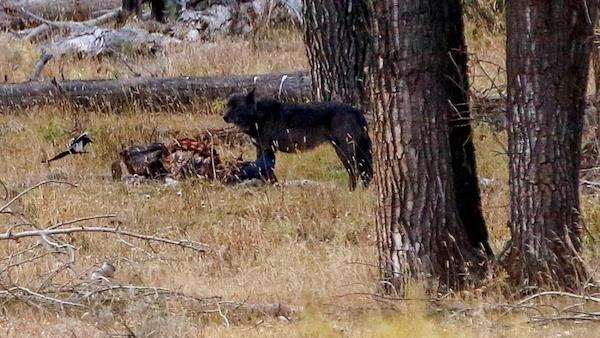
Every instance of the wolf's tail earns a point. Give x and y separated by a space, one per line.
364 157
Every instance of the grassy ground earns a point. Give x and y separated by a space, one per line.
308 246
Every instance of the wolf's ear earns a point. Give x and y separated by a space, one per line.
250 97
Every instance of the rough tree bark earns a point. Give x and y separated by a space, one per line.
157 8
466 183
418 226
337 39
548 46
596 101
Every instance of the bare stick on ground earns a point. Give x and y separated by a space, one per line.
32 233
26 191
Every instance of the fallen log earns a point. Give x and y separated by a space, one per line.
59 9
176 92
104 41
46 26
150 92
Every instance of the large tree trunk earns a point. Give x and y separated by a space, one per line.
158 9
151 92
548 60
418 226
464 167
337 43
596 101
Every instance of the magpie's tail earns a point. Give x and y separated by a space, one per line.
59 156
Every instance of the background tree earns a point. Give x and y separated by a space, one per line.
337 43
548 46
157 8
133 6
418 224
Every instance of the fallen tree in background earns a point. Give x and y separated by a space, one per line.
46 26
58 9
101 41
146 91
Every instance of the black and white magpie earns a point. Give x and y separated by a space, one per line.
76 146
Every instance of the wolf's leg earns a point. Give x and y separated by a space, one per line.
344 151
364 157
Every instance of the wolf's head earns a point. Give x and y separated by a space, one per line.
241 110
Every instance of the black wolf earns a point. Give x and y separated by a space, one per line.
289 127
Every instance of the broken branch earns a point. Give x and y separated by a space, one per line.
48 25
26 191
197 246
39 66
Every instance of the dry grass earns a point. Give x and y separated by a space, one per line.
297 245
227 56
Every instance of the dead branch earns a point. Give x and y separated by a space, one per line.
25 261
590 316
39 66
561 294
146 291
84 295
197 246
222 315
78 220
26 191
79 291
87 287
44 298
57 24
97 41
47 25
77 10
590 183
274 310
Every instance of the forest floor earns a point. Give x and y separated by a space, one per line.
309 246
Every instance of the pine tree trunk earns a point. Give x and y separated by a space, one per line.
466 183
337 42
418 226
157 8
596 64
548 46
133 6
